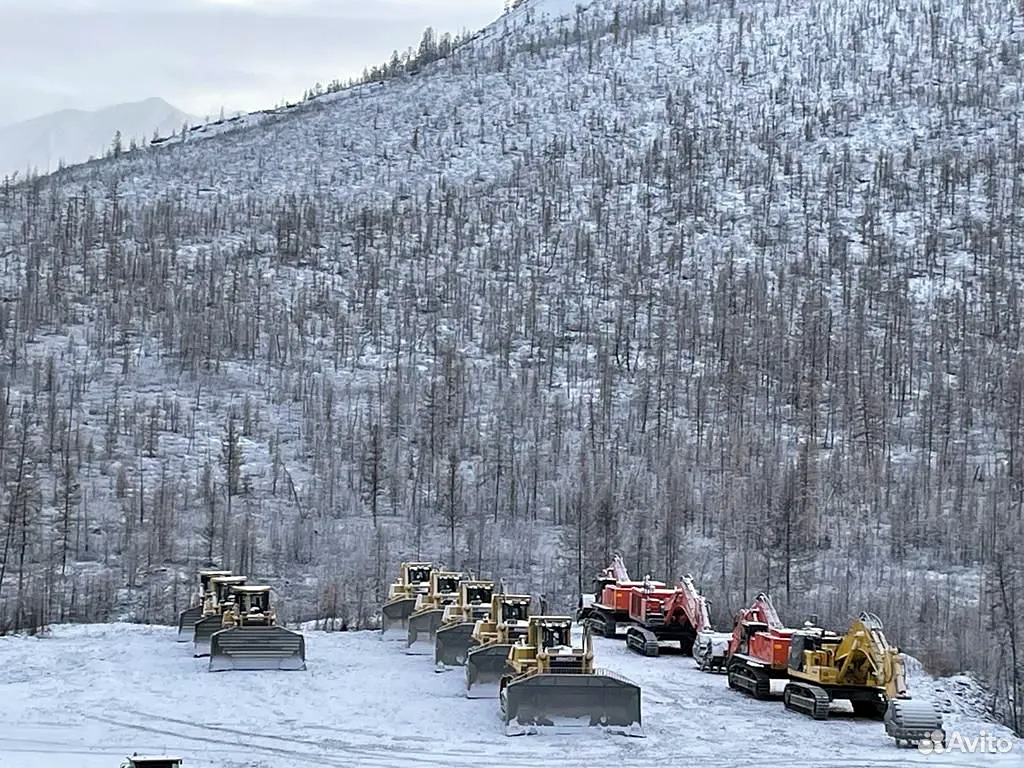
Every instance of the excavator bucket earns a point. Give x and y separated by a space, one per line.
257 647
568 700
912 721
423 626
485 666
187 623
452 643
395 617
204 630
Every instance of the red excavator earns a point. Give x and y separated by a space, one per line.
758 650
675 615
610 608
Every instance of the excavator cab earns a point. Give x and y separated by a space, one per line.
251 638
554 684
455 634
413 580
426 618
218 598
187 619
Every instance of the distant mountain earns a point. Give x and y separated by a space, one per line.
74 135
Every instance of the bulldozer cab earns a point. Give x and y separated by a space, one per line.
446 584
555 636
417 574
220 589
251 599
205 577
477 592
515 610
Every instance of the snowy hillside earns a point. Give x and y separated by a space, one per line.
363 702
732 287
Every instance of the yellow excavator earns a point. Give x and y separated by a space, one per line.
487 661
250 637
426 618
187 619
413 580
214 605
862 668
553 684
455 634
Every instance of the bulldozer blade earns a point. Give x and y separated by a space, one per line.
394 617
255 648
566 701
422 628
485 666
187 623
204 630
452 644
913 721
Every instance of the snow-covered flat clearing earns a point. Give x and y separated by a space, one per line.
88 695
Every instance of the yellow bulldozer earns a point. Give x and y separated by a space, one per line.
862 668
487 660
426 618
455 634
214 604
187 619
250 637
413 580
553 684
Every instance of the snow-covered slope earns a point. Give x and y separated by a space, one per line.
90 694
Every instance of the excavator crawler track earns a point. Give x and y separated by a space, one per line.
749 680
643 641
808 699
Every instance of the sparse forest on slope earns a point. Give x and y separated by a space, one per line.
731 287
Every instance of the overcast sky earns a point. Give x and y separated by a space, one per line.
203 54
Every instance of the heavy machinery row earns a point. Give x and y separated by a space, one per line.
234 623
542 678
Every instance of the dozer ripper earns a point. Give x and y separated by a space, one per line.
608 614
187 619
551 683
677 615
251 638
413 580
487 661
455 635
862 668
758 649
214 605
424 621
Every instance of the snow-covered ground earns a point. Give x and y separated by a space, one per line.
87 695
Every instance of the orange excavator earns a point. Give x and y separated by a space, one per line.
758 650
609 612
680 615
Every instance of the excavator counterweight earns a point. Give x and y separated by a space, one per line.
554 684
413 580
